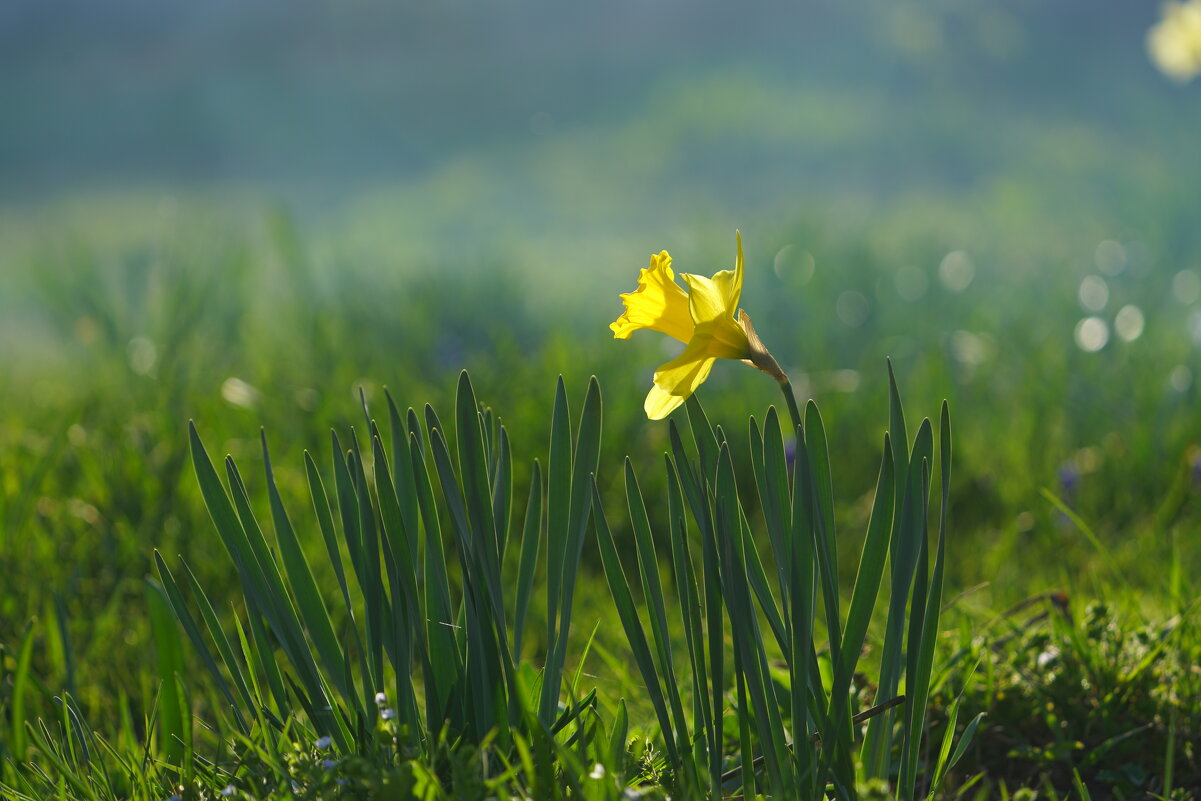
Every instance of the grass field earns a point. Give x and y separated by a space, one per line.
1075 478
557 597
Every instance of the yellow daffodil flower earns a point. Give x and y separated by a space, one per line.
1175 42
703 318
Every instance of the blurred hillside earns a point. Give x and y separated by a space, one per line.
312 101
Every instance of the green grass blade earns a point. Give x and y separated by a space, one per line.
20 685
652 588
445 654
558 506
169 662
824 529
185 618
403 479
531 540
623 602
308 597
233 665
705 438
502 492
774 497
473 470
752 664
585 459
870 574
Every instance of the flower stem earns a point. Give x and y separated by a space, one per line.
790 398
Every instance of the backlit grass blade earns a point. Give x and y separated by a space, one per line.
379 612
276 603
325 522
403 579
757 577
774 496
871 564
652 588
919 681
234 666
805 679
704 437
185 618
473 469
403 479
618 734
348 511
584 461
900 446
502 491
20 689
623 602
308 598
744 621
172 716
440 622
903 556
689 600
531 540
697 493
221 510
262 655
863 599
483 677
824 529
348 508
558 506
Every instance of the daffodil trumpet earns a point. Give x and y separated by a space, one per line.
706 319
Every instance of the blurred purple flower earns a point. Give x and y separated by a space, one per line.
1069 478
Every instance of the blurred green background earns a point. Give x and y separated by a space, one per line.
244 213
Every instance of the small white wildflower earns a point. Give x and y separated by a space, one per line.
598 771
380 699
387 714
324 742
227 791
1048 656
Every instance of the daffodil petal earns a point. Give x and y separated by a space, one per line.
659 303
674 382
659 404
722 338
713 298
709 298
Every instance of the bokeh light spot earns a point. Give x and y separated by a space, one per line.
970 349
1093 293
956 271
794 266
1186 287
237 392
845 380
1194 327
1129 323
1091 334
1181 378
142 355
